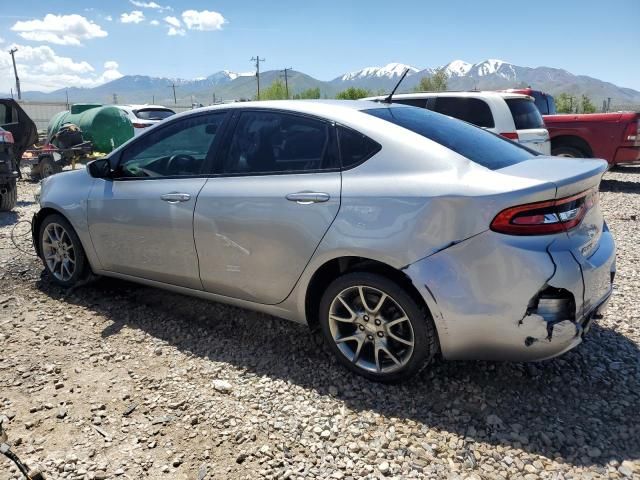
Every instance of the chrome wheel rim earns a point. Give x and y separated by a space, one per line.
371 329
58 252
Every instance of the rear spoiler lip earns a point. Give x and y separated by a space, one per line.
569 175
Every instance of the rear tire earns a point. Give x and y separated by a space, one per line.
570 152
61 251
48 167
375 328
9 197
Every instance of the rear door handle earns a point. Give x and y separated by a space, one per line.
175 197
306 198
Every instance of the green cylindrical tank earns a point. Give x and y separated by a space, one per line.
107 127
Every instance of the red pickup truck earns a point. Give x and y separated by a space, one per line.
614 137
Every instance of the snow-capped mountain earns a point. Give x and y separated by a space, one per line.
457 68
488 74
391 70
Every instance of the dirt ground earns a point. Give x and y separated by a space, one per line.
117 380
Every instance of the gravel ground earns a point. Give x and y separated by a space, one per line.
116 380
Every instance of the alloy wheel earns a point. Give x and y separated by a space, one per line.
371 329
58 252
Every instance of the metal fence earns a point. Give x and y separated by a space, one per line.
42 112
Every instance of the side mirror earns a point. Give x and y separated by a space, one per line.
100 168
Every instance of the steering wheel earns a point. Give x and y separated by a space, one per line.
176 163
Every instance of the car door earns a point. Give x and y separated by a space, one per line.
257 223
141 220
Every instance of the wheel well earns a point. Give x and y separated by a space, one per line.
340 266
37 221
574 142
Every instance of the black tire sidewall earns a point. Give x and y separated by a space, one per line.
423 328
81 259
574 152
9 199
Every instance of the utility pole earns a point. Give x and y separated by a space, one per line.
257 59
66 92
175 101
115 98
15 71
153 99
286 80
608 104
213 98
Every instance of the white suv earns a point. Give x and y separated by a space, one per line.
143 116
511 115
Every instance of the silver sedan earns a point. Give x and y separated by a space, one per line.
397 232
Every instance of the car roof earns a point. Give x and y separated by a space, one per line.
140 106
468 94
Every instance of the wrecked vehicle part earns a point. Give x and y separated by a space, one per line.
500 297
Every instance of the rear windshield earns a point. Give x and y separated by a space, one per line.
154 113
476 144
525 114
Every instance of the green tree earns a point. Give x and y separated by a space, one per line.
275 91
353 93
565 103
308 94
435 83
586 105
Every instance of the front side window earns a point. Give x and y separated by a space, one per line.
472 110
476 144
179 149
274 142
8 114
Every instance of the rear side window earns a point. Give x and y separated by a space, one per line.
153 113
273 142
525 113
355 147
479 146
472 110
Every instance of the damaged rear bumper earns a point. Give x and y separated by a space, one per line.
499 297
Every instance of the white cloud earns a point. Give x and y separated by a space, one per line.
109 18
152 5
204 20
40 68
1 40
154 23
59 29
135 16
175 26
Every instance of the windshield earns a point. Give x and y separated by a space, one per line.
154 113
525 114
474 143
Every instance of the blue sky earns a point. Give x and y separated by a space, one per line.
322 38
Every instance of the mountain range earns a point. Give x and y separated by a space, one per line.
489 74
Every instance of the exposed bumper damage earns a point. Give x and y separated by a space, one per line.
498 297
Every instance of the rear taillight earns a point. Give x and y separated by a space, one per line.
545 218
141 125
632 132
6 137
510 135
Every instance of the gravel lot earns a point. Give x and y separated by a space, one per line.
116 380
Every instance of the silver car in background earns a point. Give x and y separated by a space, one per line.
398 232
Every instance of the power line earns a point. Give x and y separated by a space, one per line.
257 59
15 71
286 80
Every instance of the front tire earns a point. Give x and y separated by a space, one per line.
8 196
375 328
61 251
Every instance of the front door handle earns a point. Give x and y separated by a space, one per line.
306 198
175 197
